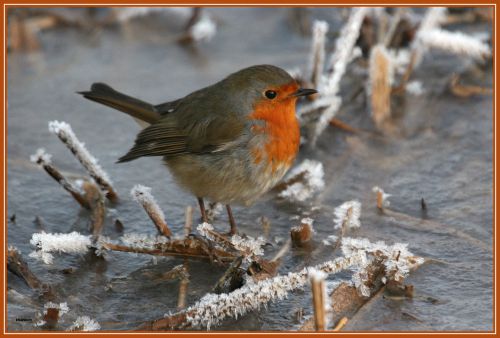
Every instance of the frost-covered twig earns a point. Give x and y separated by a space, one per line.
212 309
397 259
310 180
339 60
347 215
142 195
65 133
455 43
247 247
161 246
43 159
201 27
382 197
46 243
124 14
204 29
317 58
51 314
381 264
302 234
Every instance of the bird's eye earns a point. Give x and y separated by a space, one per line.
270 94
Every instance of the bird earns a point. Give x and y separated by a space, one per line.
230 142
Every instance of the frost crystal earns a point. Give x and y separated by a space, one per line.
339 60
68 243
41 154
204 229
348 213
415 88
143 241
330 240
249 245
312 182
203 30
84 323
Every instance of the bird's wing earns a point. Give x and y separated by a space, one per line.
171 136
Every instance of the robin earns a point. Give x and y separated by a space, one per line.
230 142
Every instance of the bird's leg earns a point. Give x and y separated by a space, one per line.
231 220
202 210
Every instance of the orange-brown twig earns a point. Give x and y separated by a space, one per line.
143 196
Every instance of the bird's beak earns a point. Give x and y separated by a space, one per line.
304 92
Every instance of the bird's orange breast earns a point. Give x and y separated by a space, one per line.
282 131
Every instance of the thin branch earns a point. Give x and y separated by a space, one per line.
142 195
65 133
43 159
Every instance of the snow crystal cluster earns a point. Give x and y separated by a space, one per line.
347 213
204 29
46 243
415 88
41 154
64 131
251 246
330 240
84 323
143 241
313 181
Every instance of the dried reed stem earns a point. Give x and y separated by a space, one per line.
380 85
467 91
188 223
318 293
342 322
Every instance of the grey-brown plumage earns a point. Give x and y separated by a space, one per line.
229 142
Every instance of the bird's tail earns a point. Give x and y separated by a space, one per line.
104 94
